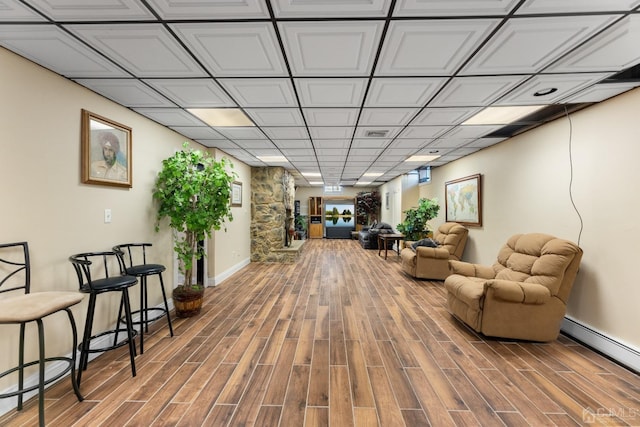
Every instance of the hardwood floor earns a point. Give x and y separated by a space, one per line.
342 338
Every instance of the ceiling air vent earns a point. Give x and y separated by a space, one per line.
376 133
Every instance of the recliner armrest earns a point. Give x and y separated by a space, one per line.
521 292
428 252
471 270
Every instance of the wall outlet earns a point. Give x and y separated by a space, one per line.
107 216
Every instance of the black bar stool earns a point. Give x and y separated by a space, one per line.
20 309
133 259
101 262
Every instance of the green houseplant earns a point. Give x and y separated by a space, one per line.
415 225
192 191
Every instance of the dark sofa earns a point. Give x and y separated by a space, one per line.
368 236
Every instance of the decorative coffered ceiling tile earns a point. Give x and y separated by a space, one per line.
276 116
145 50
260 92
470 131
197 9
528 45
474 91
438 48
422 132
170 116
198 132
453 8
571 6
410 143
318 8
299 153
386 116
241 132
370 142
331 132
331 143
128 92
563 84
601 92
331 116
192 93
444 116
96 10
402 92
363 155
328 153
14 11
613 50
312 47
292 143
56 50
236 49
384 157
286 132
331 92
255 144
382 132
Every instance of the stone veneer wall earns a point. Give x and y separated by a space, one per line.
270 194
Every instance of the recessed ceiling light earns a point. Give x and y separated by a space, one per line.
547 91
221 117
373 174
421 158
363 183
502 115
316 183
272 159
311 174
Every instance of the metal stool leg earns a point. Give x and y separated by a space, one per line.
130 335
166 305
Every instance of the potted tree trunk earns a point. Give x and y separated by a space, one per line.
192 191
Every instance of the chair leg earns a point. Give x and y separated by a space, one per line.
86 340
74 333
166 305
41 373
132 344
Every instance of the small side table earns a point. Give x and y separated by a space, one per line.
384 238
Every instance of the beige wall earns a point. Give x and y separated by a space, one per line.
526 189
44 203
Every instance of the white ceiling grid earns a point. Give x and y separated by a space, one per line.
317 77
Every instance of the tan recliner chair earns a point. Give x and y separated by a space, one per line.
523 295
433 263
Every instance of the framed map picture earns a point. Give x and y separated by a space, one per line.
463 200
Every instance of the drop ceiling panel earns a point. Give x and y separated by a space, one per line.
332 143
218 143
565 84
260 92
192 93
601 92
97 10
276 116
443 116
410 143
128 92
613 50
391 131
475 91
292 143
438 48
370 142
145 50
56 50
471 131
170 116
568 6
299 153
402 92
286 132
198 132
387 116
256 144
331 116
453 8
331 92
331 132
422 132
14 11
528 45
236 9
318 8
312 47
234 49
485 142
241 132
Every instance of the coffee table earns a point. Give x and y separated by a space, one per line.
384 238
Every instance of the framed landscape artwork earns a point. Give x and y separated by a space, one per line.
463 200
106 151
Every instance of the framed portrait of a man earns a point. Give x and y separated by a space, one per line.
106 151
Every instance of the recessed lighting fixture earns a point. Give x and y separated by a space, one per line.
272 159
545 92
311 174
316 183
373 174
502 115
222 117
421 158
363 183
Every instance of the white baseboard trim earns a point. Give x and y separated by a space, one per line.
621 353
54 368
215 281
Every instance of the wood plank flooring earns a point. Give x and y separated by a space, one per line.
342 338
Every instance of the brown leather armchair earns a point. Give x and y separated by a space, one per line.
523 295
433 263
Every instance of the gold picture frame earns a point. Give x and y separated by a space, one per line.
463 200
236 194
105 148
